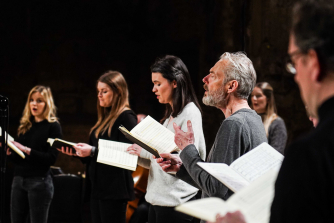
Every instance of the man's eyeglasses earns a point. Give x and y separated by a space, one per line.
290 65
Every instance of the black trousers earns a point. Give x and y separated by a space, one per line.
33 195
159 214
106 211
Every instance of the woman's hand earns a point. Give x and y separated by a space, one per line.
67 151
83 149
22 147
134 149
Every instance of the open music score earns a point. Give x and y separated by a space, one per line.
58 143
12 146
254 201
114 154
152 136
246 168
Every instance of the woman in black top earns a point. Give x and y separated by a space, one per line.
111 186
32 188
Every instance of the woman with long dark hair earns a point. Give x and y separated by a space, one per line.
32 188
263 102
172 86
111 187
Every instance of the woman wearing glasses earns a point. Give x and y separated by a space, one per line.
263 103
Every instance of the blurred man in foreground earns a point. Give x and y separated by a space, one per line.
304 190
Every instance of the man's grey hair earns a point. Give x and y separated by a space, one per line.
239 68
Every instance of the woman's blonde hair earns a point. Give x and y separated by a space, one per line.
106 117
271 113
49 112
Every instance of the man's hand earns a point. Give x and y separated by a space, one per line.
169 162
183 139
235 217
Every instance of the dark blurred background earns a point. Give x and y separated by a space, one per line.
67 45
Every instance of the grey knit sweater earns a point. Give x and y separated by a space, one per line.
164 189
238 134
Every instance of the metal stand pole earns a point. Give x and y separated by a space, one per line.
4 113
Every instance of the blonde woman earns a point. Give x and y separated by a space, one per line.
263 102
32 188
111 187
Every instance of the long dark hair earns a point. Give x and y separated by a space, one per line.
172 68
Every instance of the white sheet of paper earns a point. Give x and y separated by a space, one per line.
155 135
257 162
50 141
225 174
114 154
255 200
206 208
12 146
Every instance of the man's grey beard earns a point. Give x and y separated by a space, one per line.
215 98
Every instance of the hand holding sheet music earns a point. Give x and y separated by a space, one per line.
12 146
254 201
114 154
152 136
58 143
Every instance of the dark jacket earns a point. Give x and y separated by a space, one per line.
304 190
109 182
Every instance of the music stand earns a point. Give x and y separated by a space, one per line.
4 121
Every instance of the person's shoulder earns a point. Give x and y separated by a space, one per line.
242 114
54 124
278 121
54 128
127 114
190 110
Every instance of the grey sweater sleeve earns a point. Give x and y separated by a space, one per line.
278 136
231 142
183 173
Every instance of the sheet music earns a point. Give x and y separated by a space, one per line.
12 146
155 135
50 141
114 154
225 174
255 200
257 162
206 208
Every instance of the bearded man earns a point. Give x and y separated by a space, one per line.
227 86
